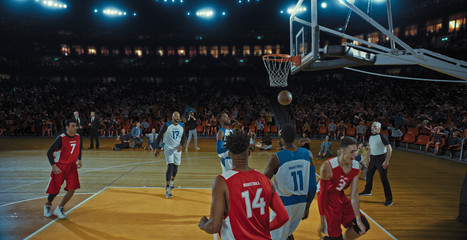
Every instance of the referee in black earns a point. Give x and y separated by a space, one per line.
381 152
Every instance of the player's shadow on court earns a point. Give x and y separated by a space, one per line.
84 232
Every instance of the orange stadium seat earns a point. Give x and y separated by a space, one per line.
408 138
274 129
422 140
350 132
323 130
267 129
413 131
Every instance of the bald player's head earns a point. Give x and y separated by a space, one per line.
175 117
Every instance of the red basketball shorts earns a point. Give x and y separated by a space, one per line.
69 174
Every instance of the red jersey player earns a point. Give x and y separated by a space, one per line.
63 155
241 198
337 174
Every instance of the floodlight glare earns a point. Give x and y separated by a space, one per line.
188 13
324 5
299 10
95 10
134 14
205 13
223 13
52 4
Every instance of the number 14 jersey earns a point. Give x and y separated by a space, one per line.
250 195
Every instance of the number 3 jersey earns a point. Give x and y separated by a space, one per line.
173 135
332 191
250 195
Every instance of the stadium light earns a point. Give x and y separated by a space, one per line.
188 13
324 5
52 4
112 12
299 10
95 10
223 13
205 13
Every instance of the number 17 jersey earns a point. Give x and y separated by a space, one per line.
173 135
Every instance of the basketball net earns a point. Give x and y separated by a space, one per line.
278 67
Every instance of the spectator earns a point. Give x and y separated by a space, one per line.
136 133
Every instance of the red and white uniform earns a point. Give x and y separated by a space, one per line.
66 152
332 202
250 197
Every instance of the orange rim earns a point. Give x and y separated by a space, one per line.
283 58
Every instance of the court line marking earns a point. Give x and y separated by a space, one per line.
43 197
98 169
50 223
377 224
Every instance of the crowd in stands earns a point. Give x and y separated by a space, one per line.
331 106
37 107
337 107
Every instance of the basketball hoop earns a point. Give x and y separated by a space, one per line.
278 67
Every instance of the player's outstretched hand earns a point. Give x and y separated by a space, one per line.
80 164
156 153
179 148
202 222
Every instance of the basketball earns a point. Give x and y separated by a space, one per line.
284 97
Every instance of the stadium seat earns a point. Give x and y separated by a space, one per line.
413 131
267 129
274 129
323 130
408 138
422 140
350 132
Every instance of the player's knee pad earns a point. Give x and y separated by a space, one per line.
364 221
333 238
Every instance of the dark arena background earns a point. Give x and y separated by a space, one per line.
136 62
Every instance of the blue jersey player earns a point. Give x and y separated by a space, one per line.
294 181
174 137
226 161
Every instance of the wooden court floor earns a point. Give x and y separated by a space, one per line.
426 189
